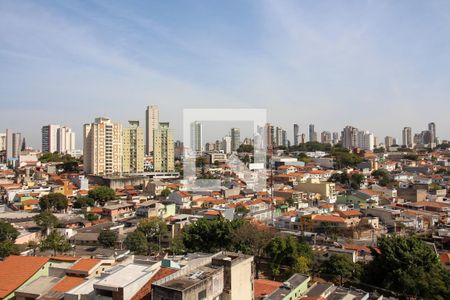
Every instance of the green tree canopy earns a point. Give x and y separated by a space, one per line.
165 193
8 248
7 232
209 235
137 242
53 202
56 242
107 238
102 194
285 251
245 148
82 202
153 229
46 221
340 266
408 266
252 239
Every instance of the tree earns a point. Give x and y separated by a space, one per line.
165 193
176 246
8 248
8 235
53 201
304 158
102 194
84 202
137 242
339 266
7 232
357 180
252 239
285 251
245 148
107 238
153 229
46 221
408 266
56 242
208 235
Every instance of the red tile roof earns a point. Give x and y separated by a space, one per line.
264 287
85 264
350 213
328 218
67 283
65 258
16 270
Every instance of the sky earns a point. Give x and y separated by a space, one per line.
376 65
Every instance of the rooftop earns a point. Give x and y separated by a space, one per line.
12 277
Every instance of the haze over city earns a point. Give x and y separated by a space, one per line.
375 65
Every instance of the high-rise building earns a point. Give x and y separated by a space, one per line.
366 140
226 144
269 137
388 142
133 148
163 149
50 138
335 138
65 140
432 129
407 137
296 134
350 137
312 133
57 138
8 144
16 144
235 138
325 137
102 147
151 123
196 136
302 138
2 141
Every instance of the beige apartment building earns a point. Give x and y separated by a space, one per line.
151 124
163 149
102 147
133 148
327 190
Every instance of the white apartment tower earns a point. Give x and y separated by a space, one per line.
407 138
57 138
102 147
350 137
226 144
151 123
196 136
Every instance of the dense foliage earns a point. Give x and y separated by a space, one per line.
8 235
102 194
408 266
107 238
56 242
46 221
53 202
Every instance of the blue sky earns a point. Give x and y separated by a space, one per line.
377 65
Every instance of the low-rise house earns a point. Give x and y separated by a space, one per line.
181 199
120 211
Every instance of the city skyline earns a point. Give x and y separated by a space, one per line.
294 59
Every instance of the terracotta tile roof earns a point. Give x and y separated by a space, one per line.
16 270
264 287
357 248
350 213
445 258
67 283
213 213
85 264
30 202
369 192
328 218
65 258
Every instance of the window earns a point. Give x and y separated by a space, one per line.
202 295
